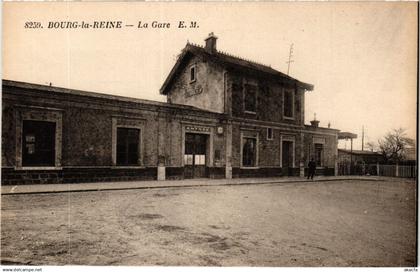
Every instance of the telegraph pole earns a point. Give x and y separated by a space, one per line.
290 58
363 137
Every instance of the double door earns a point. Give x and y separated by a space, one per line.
195 156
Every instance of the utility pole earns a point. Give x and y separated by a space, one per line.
290 58
363 137
351 156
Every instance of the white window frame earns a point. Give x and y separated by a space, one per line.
121 122
254 136
209 148
319 140
293 104
322 154
292 139
35 113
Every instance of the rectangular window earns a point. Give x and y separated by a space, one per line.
249 152
192 74
188 159
288 103
269 134
200 159
128 143
38 143
319 154
250 98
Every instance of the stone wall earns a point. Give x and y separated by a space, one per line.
87 137
88 127
8 135
206 92
269 99
75 175
319 135
269 151
89 123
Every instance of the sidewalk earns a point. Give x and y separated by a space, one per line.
124 185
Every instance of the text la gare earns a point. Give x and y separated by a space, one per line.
156 24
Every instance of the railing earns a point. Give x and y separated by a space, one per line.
387 170
406 171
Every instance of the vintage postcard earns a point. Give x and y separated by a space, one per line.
217 134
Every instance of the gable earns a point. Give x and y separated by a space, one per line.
197 83
231 63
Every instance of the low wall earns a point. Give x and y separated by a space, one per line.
321 171
75 175
10 176
263 172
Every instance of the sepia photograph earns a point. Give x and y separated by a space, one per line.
209 134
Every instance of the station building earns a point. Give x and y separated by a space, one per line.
225 117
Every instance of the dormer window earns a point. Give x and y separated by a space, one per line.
193 73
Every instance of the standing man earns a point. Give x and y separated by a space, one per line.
311 168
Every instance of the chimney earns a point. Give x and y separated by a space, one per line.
211 43
315 123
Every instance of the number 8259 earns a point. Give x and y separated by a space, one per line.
33 25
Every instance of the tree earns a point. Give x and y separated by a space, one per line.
394 145
371 146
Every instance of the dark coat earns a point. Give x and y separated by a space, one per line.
312 165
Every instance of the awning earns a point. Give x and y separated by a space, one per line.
346 135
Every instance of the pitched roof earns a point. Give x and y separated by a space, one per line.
87 94
359 152
228 60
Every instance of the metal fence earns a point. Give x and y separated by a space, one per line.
387 170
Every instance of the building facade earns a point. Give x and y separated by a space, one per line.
224 117
359 156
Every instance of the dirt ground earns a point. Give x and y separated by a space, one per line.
336 223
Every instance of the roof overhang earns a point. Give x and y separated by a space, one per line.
304 86
190 50
346 135
165 87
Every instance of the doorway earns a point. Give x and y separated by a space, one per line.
195 156
287 158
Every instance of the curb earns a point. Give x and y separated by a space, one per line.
187 186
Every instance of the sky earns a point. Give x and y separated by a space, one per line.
361 57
